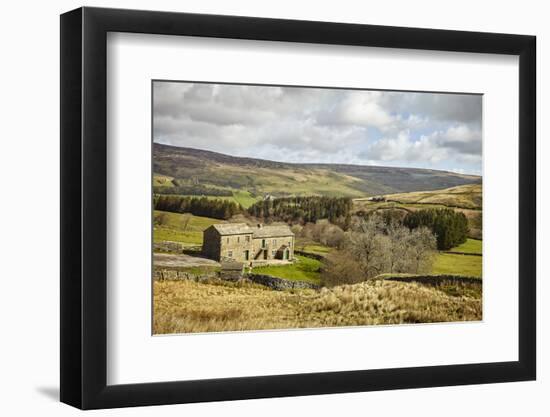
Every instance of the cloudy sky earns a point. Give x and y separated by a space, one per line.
425 130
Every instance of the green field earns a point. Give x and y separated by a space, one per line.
471 246
173 224
467 265
244 198
304 269
310 246
316 249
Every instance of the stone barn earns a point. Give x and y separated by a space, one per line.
242 243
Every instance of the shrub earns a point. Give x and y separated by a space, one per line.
340 268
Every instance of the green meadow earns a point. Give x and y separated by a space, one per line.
471 246
175 228
303 269
453 264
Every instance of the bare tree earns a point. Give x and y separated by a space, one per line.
307 231
378 247
421 246
368 245
398 237
184 221
333 236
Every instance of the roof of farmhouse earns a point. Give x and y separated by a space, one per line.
232 228
259 231
272 231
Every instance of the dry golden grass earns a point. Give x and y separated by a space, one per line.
464 196
188 307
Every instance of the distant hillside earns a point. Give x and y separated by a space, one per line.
467 199
260 177
463 196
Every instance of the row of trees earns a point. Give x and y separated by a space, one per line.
199 206
198 190
449 226
372 247
304 210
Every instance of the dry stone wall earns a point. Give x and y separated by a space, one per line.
280 283
273 283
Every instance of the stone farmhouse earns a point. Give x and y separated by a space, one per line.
242 243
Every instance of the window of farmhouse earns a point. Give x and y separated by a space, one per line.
274 241
230 254
227 240
273 253
247 238
238 239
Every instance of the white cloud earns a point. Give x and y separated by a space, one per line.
321 125
362 108
457 144
403 148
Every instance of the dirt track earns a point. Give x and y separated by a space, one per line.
181 260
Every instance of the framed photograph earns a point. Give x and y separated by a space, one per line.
259 208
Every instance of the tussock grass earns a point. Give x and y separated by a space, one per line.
454 285
187 306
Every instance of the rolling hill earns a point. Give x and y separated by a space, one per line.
260 177
467 199
463 196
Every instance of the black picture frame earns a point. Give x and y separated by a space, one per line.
84 207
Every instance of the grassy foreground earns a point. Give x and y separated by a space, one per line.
190 307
